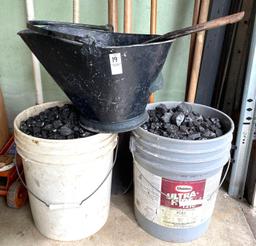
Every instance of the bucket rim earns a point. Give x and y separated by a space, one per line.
79 40
139 45
36 139
189 141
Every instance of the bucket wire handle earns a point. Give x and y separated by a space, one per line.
114 162
222 181
51 206
166 195
23 183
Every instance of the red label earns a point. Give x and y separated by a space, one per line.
182 194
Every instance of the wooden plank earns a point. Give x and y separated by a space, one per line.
4 133
211 55
233 81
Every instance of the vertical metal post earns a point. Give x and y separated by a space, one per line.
245 127
76 11
254 198
35 62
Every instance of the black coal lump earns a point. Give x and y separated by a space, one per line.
55 123
181 122
167 117
161 109
184 108
65 130
177 118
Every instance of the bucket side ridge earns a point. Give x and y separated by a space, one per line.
52 158
176 147
83 145
172 168
181 157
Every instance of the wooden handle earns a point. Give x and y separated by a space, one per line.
153 22
76 11
113 14
196 13
153 16
198 52
200 27
128 16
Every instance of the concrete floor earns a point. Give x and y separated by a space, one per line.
228 227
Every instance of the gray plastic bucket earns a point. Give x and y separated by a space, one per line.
176 181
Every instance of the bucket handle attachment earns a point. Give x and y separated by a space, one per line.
166 195
56 206
38 26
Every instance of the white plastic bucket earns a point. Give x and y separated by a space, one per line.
176 181
60 174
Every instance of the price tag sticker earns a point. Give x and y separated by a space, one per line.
116 63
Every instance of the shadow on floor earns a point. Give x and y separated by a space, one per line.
124 203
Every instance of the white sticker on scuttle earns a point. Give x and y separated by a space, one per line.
116 63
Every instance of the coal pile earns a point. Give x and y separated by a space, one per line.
182 123
55 123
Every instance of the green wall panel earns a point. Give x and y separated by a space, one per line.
58 10
174 15
15 61
16 74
